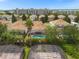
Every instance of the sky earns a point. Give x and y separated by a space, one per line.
50 4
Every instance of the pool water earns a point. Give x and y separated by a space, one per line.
39 36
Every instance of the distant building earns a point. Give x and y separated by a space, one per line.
31 11
41 11
6 17
45 11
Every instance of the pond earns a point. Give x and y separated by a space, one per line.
39 36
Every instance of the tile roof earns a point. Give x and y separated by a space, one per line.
59 22
18 25
4 22
38 25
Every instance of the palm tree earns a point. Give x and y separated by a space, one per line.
29 25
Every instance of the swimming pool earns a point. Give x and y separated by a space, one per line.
38 36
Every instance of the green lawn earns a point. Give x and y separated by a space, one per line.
69 57
71 51
26 52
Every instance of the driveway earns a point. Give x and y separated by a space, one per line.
46 52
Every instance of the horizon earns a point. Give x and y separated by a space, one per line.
40 4
41 8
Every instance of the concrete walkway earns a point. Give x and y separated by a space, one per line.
46 52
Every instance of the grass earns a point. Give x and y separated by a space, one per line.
26 52
70 57
71 51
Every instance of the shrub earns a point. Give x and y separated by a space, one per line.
3 28
71 34
71 50
36 41
51 34
7 38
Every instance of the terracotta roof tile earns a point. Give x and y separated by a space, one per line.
60 22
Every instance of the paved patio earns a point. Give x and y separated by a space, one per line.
46 52
10 52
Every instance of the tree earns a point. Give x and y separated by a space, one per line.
71 34
46 18
3 28
7 38
51 34
13 18
29 25
8 13
77 18
1 13
43 19
67 18
24 17
56 15
37 16
11 37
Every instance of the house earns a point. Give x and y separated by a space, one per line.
5 22
61 16
18 26
33 17
38 27
41 16
51 17
59 23
72 17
